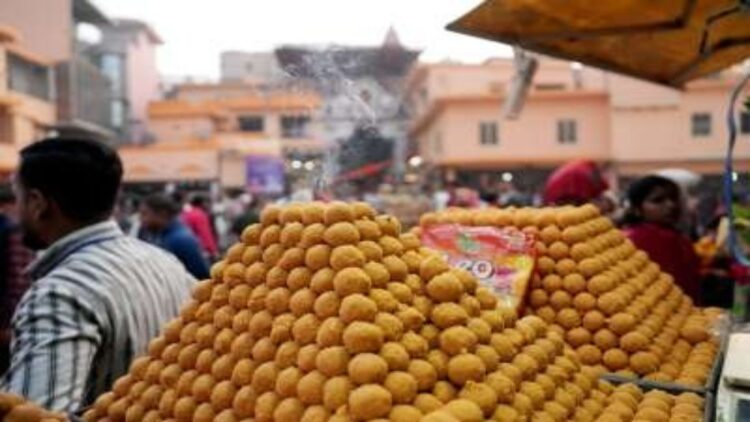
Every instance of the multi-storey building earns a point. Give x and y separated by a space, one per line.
571 112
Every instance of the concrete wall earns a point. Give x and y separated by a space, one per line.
155 165
667 130
180 129
530 139
45 25
639 126
249 67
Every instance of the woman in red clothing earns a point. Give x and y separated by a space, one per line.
651 220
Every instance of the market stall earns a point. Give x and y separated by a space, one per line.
333 312
668 43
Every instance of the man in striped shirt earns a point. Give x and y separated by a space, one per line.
97 296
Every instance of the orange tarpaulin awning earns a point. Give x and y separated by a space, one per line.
667 41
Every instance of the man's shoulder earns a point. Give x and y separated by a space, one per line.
154 254
181 235
123 253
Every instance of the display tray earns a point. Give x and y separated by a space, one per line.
709 397
710 386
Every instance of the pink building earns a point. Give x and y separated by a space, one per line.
127 56
26 106
206 132
571 112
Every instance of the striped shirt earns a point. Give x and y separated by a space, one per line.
96 300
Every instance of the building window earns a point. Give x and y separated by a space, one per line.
567 131
701 124
488 133
745 122
549 87
28 78
117 114
250 123
113 67
294 126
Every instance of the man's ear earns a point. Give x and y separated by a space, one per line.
38 206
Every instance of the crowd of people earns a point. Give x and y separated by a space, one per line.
86 280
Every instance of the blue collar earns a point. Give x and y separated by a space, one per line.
71 243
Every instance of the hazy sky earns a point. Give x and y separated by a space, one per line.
196 31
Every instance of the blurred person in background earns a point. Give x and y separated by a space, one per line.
651 221
162 227
249 215
197 218
14 258
578 182
97 296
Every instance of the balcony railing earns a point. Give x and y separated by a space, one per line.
84 94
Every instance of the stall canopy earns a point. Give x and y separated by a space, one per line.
665 41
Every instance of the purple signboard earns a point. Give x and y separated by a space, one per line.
264 174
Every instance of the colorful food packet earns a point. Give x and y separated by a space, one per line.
501 258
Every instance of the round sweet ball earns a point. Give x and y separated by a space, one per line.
350 281
362 337
445 287
439 416
464 410
402 386
332 361
457 339
505 413
367 368
644 363
346 256
343 233
357 307
444 391
466 367
395 355
251 234
449 314
312 213
615 359
338 212
432 266
634 342
336 392
289 409
392 327
404 413
589 354
622 323
270 215
363 210
389 225
369 402
425 374
310 388
694 333
481 394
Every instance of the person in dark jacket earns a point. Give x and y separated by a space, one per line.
162 227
